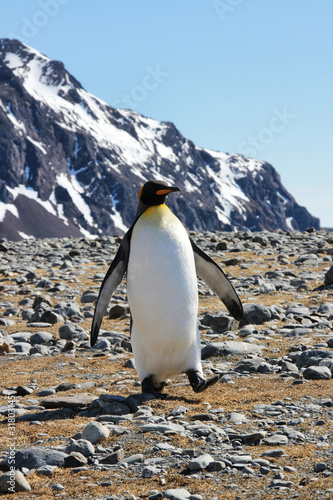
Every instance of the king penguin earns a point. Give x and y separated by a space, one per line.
161 263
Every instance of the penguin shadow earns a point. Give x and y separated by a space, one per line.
182 399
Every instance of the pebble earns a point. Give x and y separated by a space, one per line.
95 432
12 482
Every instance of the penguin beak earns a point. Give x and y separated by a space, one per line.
168 190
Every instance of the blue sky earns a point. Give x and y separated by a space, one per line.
245 76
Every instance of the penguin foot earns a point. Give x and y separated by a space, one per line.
198 383
147 386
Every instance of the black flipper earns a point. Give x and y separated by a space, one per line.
112 279
214 277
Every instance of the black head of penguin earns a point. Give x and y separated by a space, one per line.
155 192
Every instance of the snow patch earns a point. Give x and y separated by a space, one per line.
37 144
75 190
33 195
10 207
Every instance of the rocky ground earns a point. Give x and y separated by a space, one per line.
72 423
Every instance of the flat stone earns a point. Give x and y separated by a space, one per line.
22 390
70 331
34 457
200 462
240 459
167 427
256 314
113 458
41 337
276 439
112 405
248 439
45 392
317 373
133 459
67 386
75 459
176 494
46 470
82 446
229 347
77 401
13 482
277 452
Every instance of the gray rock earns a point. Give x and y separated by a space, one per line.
297 310
13 481
34 457
329 277
150 471
229 347
118 310
276 439
51 317
89 297
83 446
42 393
163 427
312 357
113 458
112 405
6 322
133 459
176 494
103 344
39 349
248 439
20 336
22 347
95 432
78 401
258 365
70 331
67 386
219 322
200 462
75 459
57 487
319 467
240 459
299 332
256 314
277 452
46 470
326 308
317 373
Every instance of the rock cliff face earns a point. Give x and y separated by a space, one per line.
72 165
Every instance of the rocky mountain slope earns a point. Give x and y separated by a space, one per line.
71 165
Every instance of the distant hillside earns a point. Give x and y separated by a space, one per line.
72 165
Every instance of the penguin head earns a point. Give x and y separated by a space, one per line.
155 192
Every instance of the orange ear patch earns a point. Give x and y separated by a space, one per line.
163 191
140 193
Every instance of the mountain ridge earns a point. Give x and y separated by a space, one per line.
72 165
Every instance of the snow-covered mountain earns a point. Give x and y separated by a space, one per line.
70 164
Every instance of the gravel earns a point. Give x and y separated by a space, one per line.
46 307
